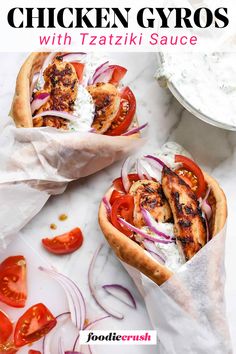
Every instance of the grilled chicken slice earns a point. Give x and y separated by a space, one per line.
62 83
150 196
189 225
107 103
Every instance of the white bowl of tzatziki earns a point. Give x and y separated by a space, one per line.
204 83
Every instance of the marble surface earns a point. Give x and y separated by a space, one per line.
213 148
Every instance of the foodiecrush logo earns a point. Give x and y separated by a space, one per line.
137 337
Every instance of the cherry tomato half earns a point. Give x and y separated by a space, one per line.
13 290
199 186
79 68
65 243
31 351
6 327
118 185
125 115
124 208
118 74
35 323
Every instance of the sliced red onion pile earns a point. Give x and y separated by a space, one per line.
121 293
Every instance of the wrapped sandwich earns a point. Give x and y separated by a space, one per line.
161 214
73 92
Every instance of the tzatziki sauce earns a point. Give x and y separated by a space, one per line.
206 81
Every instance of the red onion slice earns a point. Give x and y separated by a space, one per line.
124 173
135 130
141 170
104 76
156 162
142 233
93 291
107 205
61 349
34 82
152 224
65 115
152 249
72 352
47 339
205 206
73 57
98 71
75 298
91 324
121 293
39 101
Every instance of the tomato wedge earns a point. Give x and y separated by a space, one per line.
65 243
6 327
199 186
125 115
31 351
118 184
35 323
79 68
124 208
118 74
115 195
13 289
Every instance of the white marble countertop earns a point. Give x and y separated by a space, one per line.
213 148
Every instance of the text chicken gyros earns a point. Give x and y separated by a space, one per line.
74 92
158 217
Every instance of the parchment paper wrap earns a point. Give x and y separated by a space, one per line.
188 310
39 162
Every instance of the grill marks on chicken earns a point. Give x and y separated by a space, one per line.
62 83
107 103
149 195
189 225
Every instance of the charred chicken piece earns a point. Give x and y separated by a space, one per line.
189 224
107 103
150 196
62 83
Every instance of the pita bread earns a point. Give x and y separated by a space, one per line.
131 253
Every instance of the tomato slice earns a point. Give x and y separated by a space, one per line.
65 243
125 115
13 289
6 327
35 323
31 351
199 186
124 208
115 195
118 74
118 184
79 68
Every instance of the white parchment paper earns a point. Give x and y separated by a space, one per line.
38 162
188 310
